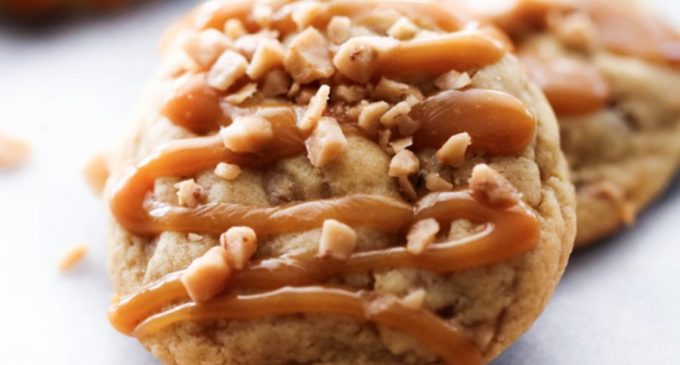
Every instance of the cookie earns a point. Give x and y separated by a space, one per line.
610 70
337 182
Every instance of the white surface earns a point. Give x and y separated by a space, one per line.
71 90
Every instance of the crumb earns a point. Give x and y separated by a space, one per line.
338 240
14 151
96 171
72 257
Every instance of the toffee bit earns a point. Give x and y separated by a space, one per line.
308 57
230 67
414 300
490 187
96 171
315 109
421 235
247 134
326 143
13 151
241 243
404 163
434 182
189 193
207 275
338 240
72 257
452 153
227 171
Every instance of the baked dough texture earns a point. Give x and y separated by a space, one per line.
493 305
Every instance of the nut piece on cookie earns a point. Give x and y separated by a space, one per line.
453 80
414 300
189 193
230 67
315 109
404 163
452 153
421 235
207 275
308 57
369 117
326 142
227 171
205 47
434 182
268 55
241 243
339 29
356 59
490 187
338 240
247 134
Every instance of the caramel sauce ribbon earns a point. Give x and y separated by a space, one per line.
507 233
422 325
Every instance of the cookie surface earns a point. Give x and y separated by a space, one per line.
480 299
611 73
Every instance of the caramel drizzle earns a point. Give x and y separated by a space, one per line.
572 87
504 128
425 327
507 233
498 123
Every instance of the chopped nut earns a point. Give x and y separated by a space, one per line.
452 80
403 29
234 29
401 144
339 29
96 171
193 237
276 83
414 300
305 12
404 163
228 68
407 188
205 47
227 171
315 109
349 94
434 182
326 142
338 240
308 57
394 91
241 94
189 193
207 275
13 151
247 44
490 187
421 235
294 90
407 125
452 153
369 118
384 140
575 30
241 243
262 14
356 59
392 117
72 257
247 134
268 55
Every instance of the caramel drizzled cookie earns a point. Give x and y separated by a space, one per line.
337 182
610 71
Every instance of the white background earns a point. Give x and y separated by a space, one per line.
70 89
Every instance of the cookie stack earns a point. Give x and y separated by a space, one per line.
380 182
